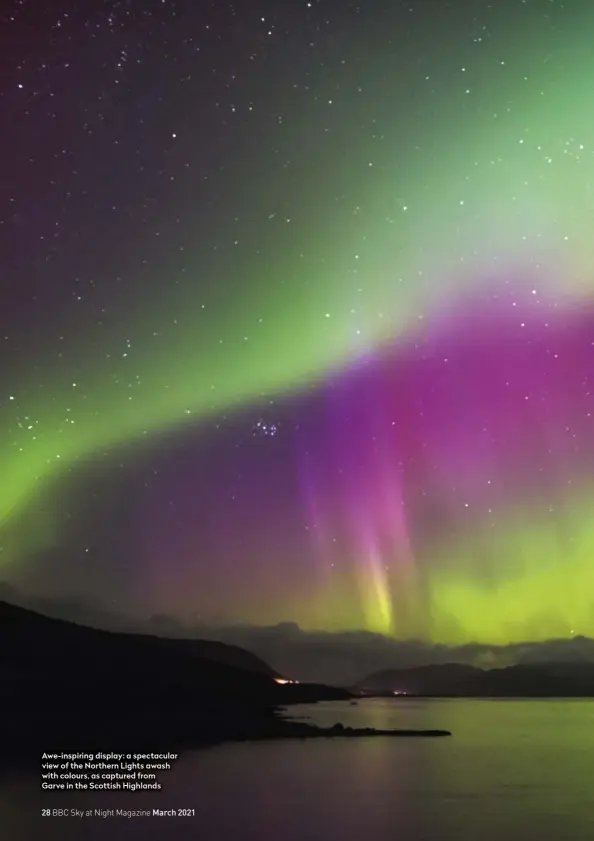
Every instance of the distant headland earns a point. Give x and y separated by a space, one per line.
457 680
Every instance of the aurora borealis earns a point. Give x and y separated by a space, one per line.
298 313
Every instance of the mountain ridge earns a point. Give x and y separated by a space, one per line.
552 679
25 625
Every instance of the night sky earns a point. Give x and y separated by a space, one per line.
297 312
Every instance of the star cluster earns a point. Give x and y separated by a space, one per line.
296 316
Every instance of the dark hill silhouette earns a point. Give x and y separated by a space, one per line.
68 687
538 680
31 633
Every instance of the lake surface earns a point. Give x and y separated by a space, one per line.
511 770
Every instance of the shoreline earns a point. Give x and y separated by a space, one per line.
204 735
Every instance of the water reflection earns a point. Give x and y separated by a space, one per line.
512 769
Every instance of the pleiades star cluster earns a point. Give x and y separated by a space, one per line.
297 314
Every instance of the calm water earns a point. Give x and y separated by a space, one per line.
512 770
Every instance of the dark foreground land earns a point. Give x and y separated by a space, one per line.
64 687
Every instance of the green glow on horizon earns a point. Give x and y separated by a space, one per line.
539 585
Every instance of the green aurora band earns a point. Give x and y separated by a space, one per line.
495 176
